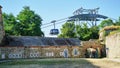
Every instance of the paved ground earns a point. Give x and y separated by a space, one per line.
105 63
116 60
66 63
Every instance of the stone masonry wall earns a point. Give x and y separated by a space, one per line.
2 33
40 52
113 46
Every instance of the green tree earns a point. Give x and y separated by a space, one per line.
29 23
107 22
94 34
9 21
68 30
117 22
86 33
83 31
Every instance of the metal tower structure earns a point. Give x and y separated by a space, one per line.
89 15
88 11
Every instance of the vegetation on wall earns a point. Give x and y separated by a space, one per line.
114 32
109 29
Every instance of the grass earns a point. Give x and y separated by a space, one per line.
44 61
60 63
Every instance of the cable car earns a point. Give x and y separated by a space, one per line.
54 31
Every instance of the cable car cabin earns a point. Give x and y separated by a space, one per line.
54 31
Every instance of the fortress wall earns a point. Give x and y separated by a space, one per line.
113 46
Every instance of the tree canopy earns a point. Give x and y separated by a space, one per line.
9 21
107 22
27 23
68 30
83 32
118 22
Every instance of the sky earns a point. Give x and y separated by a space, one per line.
58 9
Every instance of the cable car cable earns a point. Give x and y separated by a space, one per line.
52 24
46 24
55 21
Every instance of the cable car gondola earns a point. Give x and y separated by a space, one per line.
54 31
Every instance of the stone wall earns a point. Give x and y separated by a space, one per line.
2 33
113 45
40 52
102 37
95 45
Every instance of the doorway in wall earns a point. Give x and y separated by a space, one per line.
65 53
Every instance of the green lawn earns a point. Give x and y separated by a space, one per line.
44 61
60 63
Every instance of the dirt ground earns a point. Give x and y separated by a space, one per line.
68 63
104 63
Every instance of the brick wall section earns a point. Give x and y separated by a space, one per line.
113 46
